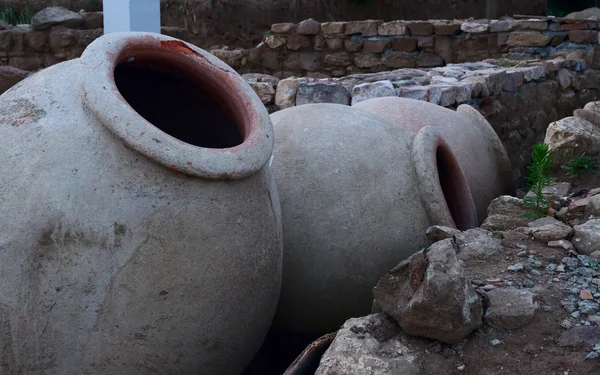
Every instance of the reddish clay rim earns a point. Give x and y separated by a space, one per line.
443 187
102 97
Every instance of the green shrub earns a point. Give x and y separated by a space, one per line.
540 176
580 164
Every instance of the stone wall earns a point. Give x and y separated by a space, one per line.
519 100
340 48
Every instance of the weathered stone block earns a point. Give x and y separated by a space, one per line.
528 39
558 39
404 44
318 42
354 44
376 44
392 28
475 27
364 28
37 40
61 37
583 36
420 28
6 40
444 47
539 25
574 26
283 28
429 60
92 20
274 41
447 94
395 59
54 16
265 91
334 44
333 28
373 90
297 41
308 27
366 60
307 60
318 92
499 26
338 59
425 42
447 29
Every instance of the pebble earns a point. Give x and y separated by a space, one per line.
547 308
489 287
522 254
560 268
515 267
575 314
535 273
556 280
521 246
595 281
495 342
528 283
460 367
551 267
586 295
566 324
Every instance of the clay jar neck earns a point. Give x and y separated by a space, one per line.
176 104
442 185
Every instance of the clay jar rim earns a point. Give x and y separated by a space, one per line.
102 97
489 134
426 145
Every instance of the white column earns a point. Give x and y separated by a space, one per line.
131 15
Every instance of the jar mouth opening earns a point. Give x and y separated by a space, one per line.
177 104
444 189
175 98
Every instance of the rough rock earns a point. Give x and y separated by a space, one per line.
92 20
364 28
10 76
308 27
548 229
283 28
477 243
370 345
590 13
475 27
596 256
287 89
438 232
510 308
567 245
586 238
429 285
528 39
392 28
573 134
505 213
54 16
580 337
590 116
560 189
318 92
593 207
373 90
592 106
264 90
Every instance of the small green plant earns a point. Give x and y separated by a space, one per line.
540 176
15 17
580 164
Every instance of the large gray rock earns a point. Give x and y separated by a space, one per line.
430 296
477 243
438 232
370 345
320 92
287 89
586 238
548 229
505 213
54 16
572 135
10 76
593 207
367 91
510 308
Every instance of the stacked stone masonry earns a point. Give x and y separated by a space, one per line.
336 49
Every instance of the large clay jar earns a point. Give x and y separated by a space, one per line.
140 230
357 195
471 138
